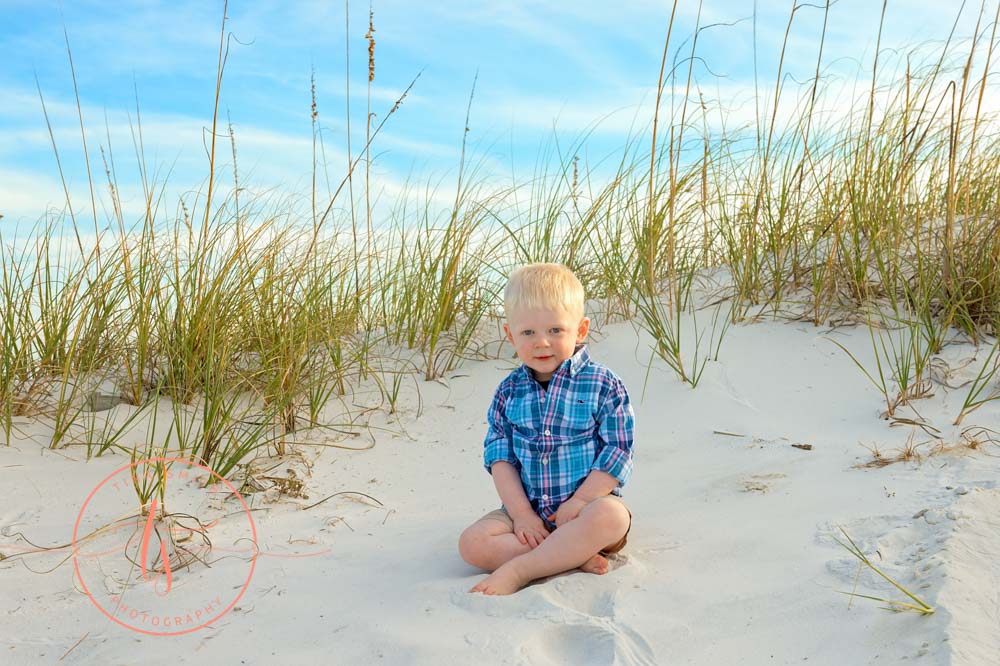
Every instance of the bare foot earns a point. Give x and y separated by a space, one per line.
505 580
598 564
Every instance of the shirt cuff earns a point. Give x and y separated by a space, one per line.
616 462
498 450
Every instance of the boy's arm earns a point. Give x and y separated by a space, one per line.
528 527
616 423
507 480
499 444
597 484
613 465
501 462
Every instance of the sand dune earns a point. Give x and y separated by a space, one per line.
731 557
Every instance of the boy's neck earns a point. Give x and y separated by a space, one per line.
537 378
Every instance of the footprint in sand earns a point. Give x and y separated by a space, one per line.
573 644
595 642
578 620
760 483
903 547
592 612
579 598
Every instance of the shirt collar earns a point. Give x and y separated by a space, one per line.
578 360
575 363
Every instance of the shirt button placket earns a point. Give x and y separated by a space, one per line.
545 460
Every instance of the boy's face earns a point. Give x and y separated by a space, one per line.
545 338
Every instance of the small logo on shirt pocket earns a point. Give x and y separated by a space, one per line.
578 420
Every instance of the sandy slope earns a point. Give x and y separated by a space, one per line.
730 560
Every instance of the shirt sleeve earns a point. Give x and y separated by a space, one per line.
499 444
614 431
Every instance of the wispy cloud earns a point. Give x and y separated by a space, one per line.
581 68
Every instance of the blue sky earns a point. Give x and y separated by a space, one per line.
549 73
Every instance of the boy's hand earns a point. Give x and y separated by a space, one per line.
529 529
568 510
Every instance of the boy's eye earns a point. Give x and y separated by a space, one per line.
555 330
527 332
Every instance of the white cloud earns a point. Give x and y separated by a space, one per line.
24 198
586 39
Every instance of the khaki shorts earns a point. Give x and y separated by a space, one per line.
502 515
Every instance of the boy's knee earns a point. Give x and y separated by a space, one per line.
470 545
609 515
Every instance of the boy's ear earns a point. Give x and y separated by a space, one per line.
582 330
506 330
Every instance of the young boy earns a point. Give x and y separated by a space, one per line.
559 444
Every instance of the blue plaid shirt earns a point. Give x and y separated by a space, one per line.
555 438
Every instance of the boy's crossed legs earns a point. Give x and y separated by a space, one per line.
490 544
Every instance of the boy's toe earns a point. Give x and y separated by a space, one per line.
598 564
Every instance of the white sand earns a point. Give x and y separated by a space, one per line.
730 558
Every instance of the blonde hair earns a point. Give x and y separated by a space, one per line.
536 286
